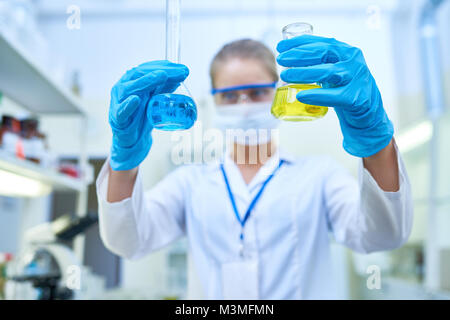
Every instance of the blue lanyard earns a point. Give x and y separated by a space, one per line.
252 204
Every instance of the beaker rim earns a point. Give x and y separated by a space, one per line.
297 24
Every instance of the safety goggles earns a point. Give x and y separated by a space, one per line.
257 92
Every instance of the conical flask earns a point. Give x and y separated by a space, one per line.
285 104
176 110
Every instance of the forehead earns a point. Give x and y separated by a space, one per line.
237 71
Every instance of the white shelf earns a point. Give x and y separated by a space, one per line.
25 82
25 168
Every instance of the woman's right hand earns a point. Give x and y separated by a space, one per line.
128 109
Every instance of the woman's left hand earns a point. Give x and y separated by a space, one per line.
347 86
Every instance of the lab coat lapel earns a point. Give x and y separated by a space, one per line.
243 193
268 168
263 173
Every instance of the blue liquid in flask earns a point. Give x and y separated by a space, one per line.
171 111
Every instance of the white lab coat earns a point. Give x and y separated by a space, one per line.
287 234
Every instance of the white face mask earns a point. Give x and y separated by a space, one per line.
249 123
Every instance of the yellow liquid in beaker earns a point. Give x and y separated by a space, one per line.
286 106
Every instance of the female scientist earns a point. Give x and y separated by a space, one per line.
254 235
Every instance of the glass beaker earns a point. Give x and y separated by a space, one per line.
177 110
285 104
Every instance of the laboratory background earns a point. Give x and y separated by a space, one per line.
58 63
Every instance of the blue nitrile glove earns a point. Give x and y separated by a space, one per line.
348 86
128 109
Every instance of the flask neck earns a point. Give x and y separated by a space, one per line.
173 30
